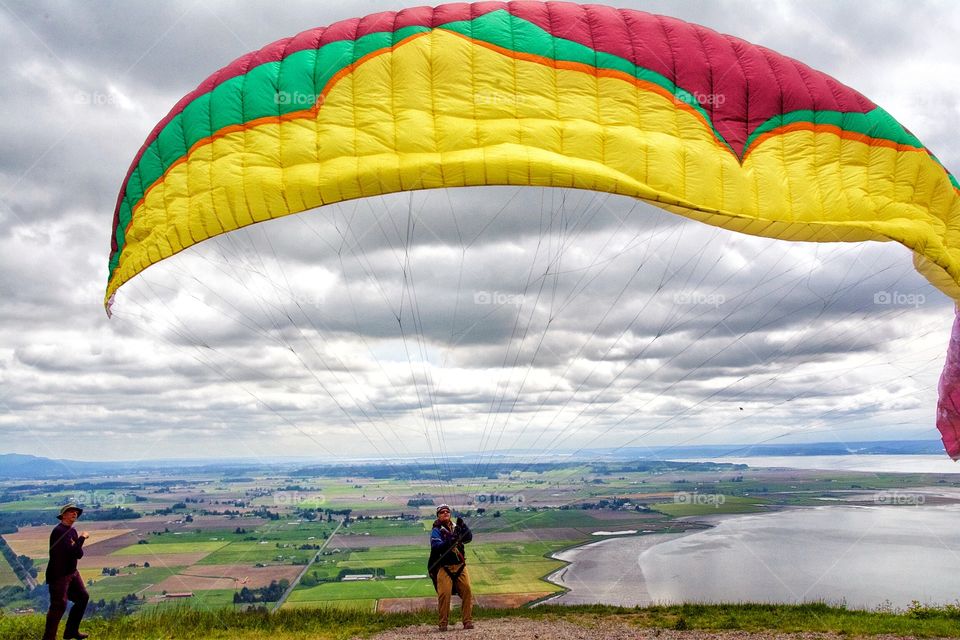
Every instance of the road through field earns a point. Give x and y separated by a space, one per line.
296 581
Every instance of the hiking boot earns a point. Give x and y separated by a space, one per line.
443 627
76 636
468 625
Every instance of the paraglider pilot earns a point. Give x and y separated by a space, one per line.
63 579
448 565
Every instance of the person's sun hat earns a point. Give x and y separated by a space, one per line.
69 507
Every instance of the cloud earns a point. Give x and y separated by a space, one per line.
476 317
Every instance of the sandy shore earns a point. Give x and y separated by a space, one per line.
615 578
607 578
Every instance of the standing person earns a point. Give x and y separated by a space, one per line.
63 579
448 565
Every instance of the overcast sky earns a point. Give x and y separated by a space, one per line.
449 321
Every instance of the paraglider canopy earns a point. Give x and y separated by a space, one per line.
543 94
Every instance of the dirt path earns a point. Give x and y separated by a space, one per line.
546 629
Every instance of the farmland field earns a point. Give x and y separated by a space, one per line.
200 600
7 577
131 580
362 604
162 560
495 568
206 577
511 520
375 589
170 547
35 541
699 505
262 552
216 534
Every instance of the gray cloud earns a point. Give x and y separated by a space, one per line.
515 317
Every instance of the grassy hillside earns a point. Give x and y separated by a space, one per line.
335 623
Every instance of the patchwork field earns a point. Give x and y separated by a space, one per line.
215 599
707 504
257 552
209 536
7 577
131 580
202 577
163 560
170 548
350 605
370 589
512 570
35 541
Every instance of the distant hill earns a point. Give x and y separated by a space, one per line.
879 447
27 467
15 465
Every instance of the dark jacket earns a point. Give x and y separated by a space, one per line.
66 547
446 546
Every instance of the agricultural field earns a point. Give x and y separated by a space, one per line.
136 580
211 537
7 577
494 568
693 504
207 600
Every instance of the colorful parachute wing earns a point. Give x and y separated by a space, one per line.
544 94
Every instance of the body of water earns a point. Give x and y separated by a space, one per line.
864 557
877 463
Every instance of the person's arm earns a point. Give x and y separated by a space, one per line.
463 532
61 546
76 547
438 540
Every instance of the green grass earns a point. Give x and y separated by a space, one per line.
386 528
195 537
369 589
115 587
205 600
292 532
341 622
253 552
7 577
43 503
504 567
511 520
694 504
514 552
395 561
368 605
170 547
513 578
